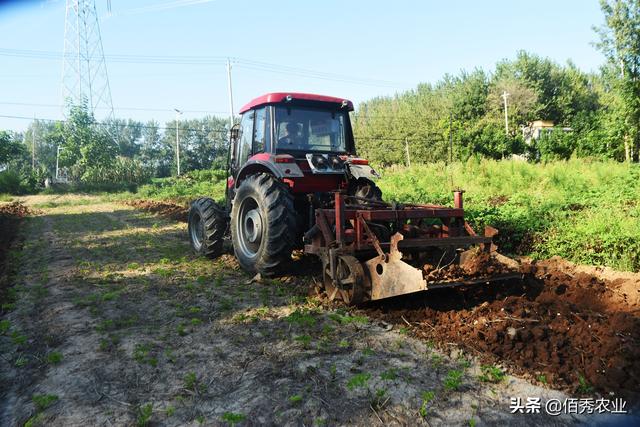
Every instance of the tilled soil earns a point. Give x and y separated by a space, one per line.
573 331
166 209
10 216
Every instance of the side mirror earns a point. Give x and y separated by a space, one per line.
235 132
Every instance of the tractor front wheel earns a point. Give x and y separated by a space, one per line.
207 227
263 225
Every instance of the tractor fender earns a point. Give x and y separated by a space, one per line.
362 171
267 164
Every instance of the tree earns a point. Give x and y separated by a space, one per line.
620 43
10 149
86 144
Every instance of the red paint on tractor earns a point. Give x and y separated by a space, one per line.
280 97
265 157
315 183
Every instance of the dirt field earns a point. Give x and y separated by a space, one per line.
111 321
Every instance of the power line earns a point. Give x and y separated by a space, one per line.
122 125
32 104
207 60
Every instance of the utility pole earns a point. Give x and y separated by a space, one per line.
33 144
58 163
178 114
406 147
450 138
230 93
506 114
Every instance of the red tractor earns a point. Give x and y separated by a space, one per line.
295 181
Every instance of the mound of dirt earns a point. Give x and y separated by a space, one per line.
10 216
166 209
475 264
568 330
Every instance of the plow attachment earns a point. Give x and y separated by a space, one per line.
375 251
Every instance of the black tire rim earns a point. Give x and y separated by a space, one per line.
197 232
250 228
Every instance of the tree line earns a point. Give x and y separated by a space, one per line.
110 152
595 114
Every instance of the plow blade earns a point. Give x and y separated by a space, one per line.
390 276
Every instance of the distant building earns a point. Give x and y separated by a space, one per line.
537 128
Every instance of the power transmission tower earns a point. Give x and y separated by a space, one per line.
84 71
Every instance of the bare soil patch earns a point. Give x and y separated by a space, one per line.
10 216
166 209
573 331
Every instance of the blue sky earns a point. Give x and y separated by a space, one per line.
362 49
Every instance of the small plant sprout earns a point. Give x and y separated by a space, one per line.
453 380
427 397
358 380
491 374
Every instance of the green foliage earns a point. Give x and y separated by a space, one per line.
619 43
54 357
186 187
584 387
491 374
43 401
453 380
427 397
584 211
4 326
144 415
358 380
233 418
86 145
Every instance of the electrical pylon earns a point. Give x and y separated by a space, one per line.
84 70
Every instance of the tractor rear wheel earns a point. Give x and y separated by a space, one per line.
207 227
263 225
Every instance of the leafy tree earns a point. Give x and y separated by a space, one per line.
620 43
10 149
86 145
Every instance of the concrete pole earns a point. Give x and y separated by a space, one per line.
506 114
58 163
33 144
230 88
406 147
178 114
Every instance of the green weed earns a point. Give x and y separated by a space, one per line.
144 415
358 380
233 418
54 357
43 401
427 397
491 374
453 380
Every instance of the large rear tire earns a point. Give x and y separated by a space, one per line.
263 225
207 227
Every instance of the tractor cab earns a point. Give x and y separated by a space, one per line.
297 138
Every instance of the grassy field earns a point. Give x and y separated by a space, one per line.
586 212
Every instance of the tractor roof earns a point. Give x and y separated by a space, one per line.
282 97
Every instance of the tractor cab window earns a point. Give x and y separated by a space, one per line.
308 129
259 134
243 145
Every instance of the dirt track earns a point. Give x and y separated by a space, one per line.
118 321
